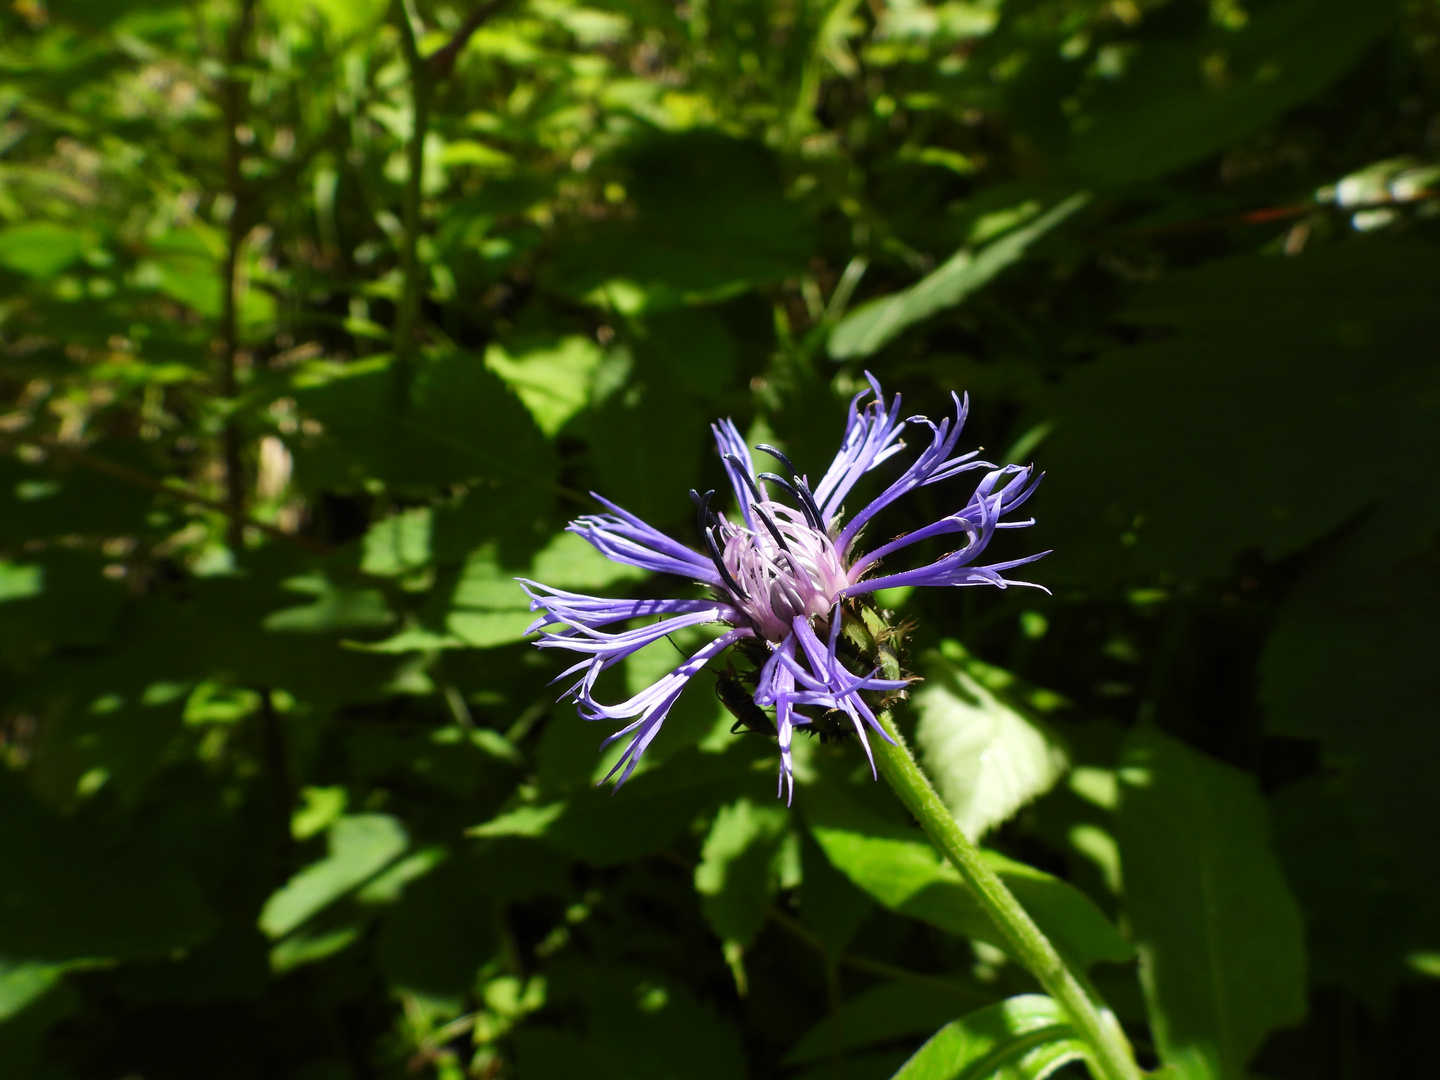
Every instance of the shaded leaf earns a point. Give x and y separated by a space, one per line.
1254 392
1222 958
1178 101
888 1011
71 892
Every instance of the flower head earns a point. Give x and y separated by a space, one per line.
782 574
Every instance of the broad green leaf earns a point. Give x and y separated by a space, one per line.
1253 387
435 938
897 866
40 249
334 610
986 756
72 892
343 17
711 221
523 821
569 561
645 444
606 827
398 544
639 1027
361 845
488 608
889 1011
23 1036
23 983
736 876
310 944
458 422
63 499
1350 662
831 905
875 323
1022 1038
1222 956
1175 102
62 599
553 380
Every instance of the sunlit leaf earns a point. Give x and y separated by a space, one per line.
1023 1038
873 324
361 845
40 249
986 756
897 866
736 878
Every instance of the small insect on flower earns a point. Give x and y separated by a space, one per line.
785 577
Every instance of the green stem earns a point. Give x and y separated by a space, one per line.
407 312
1112 1057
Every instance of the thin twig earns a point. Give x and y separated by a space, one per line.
442 60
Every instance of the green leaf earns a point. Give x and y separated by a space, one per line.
897 866
639 1028
60 499
875 323
985 755
1258 384
830 904
458 423
1022 1038
61 599
72 891
552 379
1178 101
1350 662
737 875
889 1011
606 827
645 443
23 983
335 609
40 249
437 936
344 17
712 220
1222 957
361 845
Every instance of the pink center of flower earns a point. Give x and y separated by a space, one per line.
788 570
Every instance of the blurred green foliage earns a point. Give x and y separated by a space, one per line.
318 319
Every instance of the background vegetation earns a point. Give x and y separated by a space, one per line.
319 317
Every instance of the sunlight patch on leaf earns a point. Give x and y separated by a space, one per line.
986 756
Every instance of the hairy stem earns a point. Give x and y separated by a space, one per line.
1112 1058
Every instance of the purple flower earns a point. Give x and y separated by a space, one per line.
779 576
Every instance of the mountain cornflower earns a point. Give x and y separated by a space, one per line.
781 575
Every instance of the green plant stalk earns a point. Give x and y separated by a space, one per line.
1112 1057
412 274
